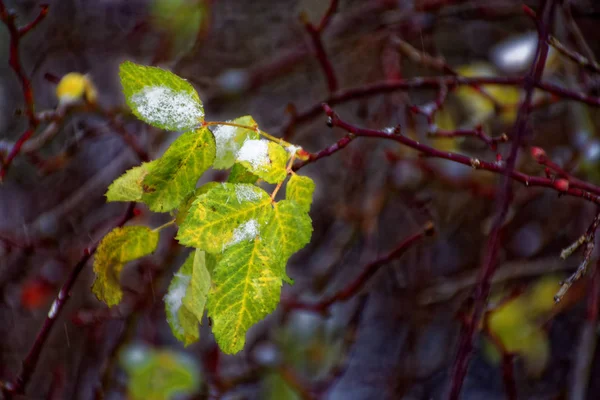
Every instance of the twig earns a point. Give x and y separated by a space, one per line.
576 57
320 53
580 189
367 272
19 384
481 292
16 34
588 239
491 142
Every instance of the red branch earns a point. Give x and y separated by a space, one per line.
390 86
19 384
577 188
482 288
16 34
367 273
315 36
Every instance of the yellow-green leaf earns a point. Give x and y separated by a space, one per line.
175 174
128 187
300 189
289 230
214 217
265 159
161 98
183 209
230 140
186 297
239 174
247 287
118 247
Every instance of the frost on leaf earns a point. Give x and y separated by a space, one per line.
230 140
175 174
118 247
249 230
128 187
214 216
161 106
160 97
186 297
265 159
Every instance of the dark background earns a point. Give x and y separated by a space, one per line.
397 337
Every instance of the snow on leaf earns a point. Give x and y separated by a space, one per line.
230 140
160 97
255 152
246 231
161 106
174 298
214 216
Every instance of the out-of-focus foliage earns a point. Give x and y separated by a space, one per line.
517 326
157 374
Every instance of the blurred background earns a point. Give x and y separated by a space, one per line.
396 337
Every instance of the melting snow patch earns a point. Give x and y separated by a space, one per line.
246 231
224 135
256 152
161 105
174 299
245 192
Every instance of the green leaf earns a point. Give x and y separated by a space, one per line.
230 140
183 209
289 230
265 159
128 187
159 374
175 174
118 247
195 298
239 174
247 287
224 216
300 189
160 98
186 297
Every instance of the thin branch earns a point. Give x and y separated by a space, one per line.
320 53
366 274
589 239
579 59
577 188
481 292
14 61
19 384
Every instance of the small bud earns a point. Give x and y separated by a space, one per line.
75 86
538 154
562 185
330 122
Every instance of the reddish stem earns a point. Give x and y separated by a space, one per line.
14 61
482 289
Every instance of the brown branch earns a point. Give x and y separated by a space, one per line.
366 274
19 384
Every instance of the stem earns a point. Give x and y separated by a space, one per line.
251 128
160 228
